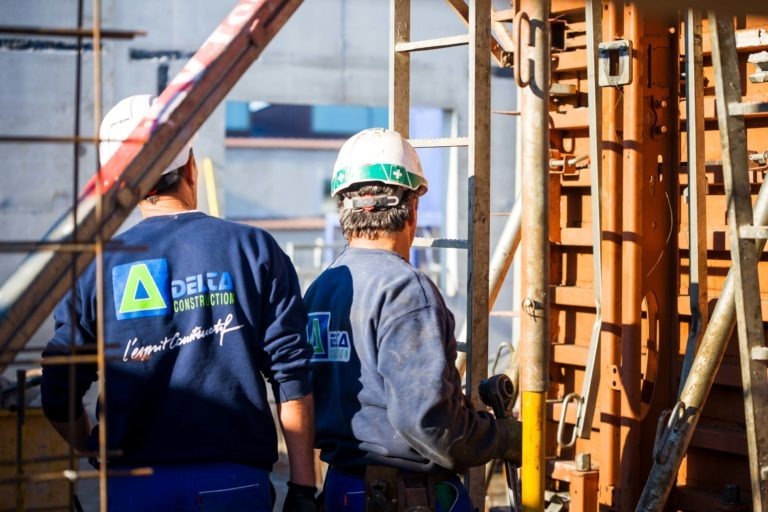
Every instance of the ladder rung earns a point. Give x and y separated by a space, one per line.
505 313
506 112
745 108
449 243
561 89
447 142
505 15
759 354
432 44
754 232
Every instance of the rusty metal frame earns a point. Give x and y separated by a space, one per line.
749 323
31 293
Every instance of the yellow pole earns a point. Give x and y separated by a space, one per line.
533 416
532 28
210 187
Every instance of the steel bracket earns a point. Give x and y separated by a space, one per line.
614 63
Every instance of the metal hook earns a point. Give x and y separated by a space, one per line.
669 419
570 397
518 56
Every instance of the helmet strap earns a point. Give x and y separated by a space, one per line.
369 203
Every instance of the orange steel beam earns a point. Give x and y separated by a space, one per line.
32 292
610 347
632 259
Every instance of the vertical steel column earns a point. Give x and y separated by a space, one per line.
700 379
534 60
99 238
632 252
479 175
610 352
399 67
592 371
697 187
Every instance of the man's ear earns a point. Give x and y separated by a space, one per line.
413 207
189 171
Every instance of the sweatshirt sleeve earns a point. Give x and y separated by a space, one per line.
424 399
285 339
55 385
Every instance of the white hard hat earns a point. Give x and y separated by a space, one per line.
120 122
378 155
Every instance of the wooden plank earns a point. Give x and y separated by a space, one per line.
40 442
576 237
711 115
574 60
571 119
748 40
573 296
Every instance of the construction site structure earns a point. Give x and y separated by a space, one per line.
642 146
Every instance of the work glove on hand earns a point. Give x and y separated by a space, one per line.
511 439
300 498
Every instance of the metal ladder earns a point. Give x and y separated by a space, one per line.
744 254
477 141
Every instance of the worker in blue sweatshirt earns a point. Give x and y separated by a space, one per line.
391 418
200 314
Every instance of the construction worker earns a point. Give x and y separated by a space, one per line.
199 314
392 420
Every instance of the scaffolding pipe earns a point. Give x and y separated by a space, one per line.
502 258
532 72
663 474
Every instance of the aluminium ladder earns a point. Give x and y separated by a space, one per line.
744 254
477 142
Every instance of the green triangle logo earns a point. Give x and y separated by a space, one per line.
315 339
141 291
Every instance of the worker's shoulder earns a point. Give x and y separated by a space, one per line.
403 280
227 227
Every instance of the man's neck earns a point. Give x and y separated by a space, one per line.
164 205
397 243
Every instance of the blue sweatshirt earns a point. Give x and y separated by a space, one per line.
198 312
386 388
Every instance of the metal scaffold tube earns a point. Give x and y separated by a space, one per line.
669 455
532 72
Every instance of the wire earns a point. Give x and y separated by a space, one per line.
669 235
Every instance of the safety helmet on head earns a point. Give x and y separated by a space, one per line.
378 155
122 120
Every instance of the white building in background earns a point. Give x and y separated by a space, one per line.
272 143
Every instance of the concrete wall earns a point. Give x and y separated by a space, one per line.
330 52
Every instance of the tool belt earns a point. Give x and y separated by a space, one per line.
389 489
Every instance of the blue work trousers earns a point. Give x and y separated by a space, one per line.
346 493
192 488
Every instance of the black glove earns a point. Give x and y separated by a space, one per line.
511 439
300 498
